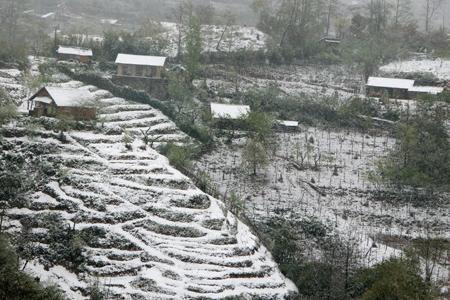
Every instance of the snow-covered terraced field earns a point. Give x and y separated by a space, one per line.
154 235
438 67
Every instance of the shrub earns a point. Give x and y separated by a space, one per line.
179 156
16 285
392 279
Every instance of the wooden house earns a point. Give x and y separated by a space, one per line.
140 66
74 54
399 88
392 87
73 104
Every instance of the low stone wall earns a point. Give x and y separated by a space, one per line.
153 86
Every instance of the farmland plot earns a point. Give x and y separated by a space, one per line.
323 174
142 229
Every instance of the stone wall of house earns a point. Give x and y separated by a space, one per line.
155 87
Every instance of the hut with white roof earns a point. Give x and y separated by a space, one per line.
393 87
285 125
129 65
71 103
74 53
399 88
229 111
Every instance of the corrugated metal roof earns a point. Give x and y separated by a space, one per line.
74 51
228 111
141 60
392 83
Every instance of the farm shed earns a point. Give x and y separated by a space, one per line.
286 125
61 102
330 41
394 87
73 53
140 66
229 111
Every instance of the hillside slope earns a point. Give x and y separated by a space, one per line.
148 232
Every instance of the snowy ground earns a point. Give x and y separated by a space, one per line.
292 80
235 38
161 237
11 82
344 203
439 67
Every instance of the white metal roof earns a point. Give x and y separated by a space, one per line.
65 97
141 60
392 83
433 90
288 123
74 51
228 111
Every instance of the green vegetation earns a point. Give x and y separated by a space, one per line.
421 158
313 111
15 284
393 279
193 48
179 156
8 110
337 274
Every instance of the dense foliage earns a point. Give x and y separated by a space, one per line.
421 157
15 284
337 272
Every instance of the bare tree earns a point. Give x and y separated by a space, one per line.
182 14
431 7
402 11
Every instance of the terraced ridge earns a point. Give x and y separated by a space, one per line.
153 234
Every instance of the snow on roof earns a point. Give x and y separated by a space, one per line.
109 21
288 123
433 90
47 15
65 97
43 100
74 51
141 60
392 83
228 111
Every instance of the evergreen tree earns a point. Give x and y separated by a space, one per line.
193 53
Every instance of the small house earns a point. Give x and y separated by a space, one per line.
73 104
140 66
393 87
330 41
228 111
75 54
286 125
